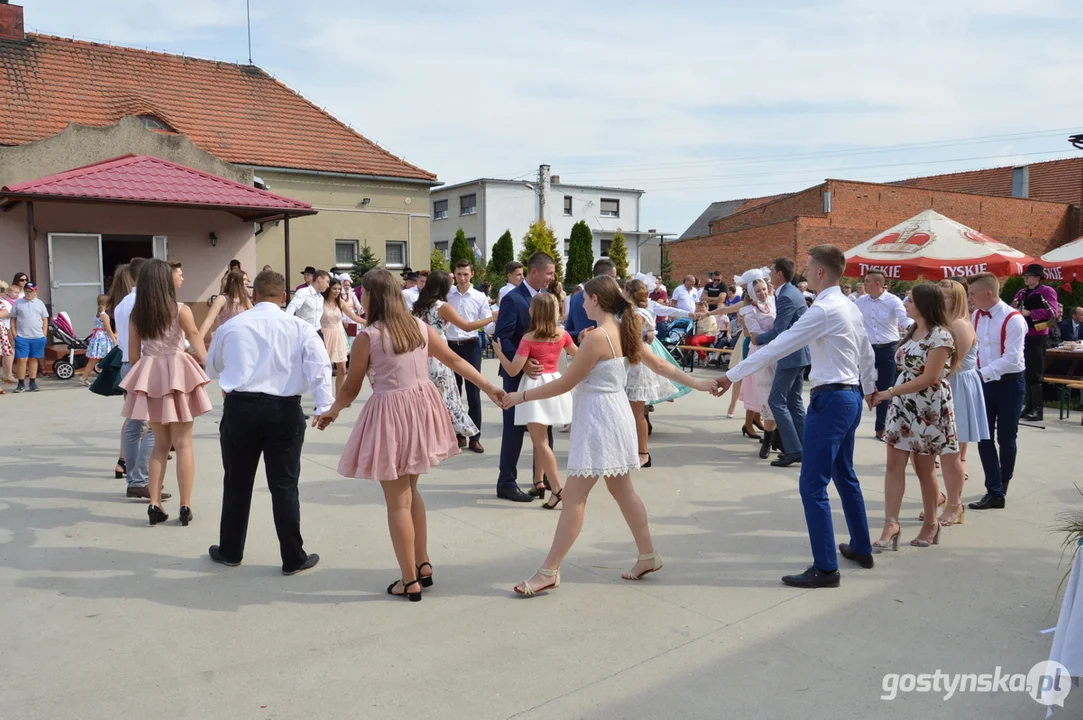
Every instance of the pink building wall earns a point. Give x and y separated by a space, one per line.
188 232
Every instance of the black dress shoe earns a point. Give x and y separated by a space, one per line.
216 556
813 578
514 494
862 559
309 562
989 502
787 460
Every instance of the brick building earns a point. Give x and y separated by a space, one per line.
1033 209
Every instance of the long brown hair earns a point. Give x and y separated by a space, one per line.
155 308
122 285
636 290
437 286
385 306
928 300
235 290
612 300
545 317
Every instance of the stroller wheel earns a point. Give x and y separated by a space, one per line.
64 370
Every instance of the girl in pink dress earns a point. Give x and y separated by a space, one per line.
165 385
404 429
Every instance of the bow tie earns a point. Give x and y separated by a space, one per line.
985 313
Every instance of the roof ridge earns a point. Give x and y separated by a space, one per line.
146 51
984 169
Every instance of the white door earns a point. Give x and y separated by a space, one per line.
161 247
75 273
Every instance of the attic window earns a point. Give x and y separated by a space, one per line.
149 121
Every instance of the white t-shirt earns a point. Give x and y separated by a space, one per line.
684 298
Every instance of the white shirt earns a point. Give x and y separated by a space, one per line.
409 295
835 334
121 317
471 306
264 350
992 365
883 317
684 298
504 291
307 304
658 310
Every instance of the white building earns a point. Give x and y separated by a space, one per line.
487 207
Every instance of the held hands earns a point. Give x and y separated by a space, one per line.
583 334
511 400
496 394
320 422
875 398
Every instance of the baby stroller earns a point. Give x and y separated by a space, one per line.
62 331
677 334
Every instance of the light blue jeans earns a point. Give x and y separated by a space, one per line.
138 444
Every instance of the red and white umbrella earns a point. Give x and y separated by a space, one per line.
932 246
1065 262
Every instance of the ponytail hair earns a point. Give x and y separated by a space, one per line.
611 300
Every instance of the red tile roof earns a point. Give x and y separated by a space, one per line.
1053 181
237 112
145 179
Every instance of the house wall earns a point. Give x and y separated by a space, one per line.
395 212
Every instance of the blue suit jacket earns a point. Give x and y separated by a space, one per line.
1067 332
789 307
514 321
577 317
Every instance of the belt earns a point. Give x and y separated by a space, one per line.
262 396
832 387
468 341
881 346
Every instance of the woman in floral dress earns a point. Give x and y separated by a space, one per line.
921 419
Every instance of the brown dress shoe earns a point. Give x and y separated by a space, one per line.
144 493
462 441
475 446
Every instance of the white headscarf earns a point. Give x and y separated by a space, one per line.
649 280
751 276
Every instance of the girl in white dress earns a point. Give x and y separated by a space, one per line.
544 342
603 440
759 317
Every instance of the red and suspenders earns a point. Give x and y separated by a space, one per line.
1003 330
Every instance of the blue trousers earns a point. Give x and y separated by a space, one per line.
511 442
788 407
1003 402
833 418
138 443
886 372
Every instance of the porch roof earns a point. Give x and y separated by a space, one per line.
146 180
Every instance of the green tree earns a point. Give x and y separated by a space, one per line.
438 261
580 254
366 260
502 253
667 268
618 253
460 249
539 238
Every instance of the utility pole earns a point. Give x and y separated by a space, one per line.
543 192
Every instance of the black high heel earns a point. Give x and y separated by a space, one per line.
765 444
118 474
748 433
425 580
538 490
156 515
186 515
558 497
645 464
411 596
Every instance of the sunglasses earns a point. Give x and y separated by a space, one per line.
22 279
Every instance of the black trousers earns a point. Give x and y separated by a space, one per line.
471 353
1034 356
252 425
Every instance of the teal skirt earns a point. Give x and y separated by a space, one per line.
659 349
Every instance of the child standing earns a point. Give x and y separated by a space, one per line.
31 325
543 342
102 339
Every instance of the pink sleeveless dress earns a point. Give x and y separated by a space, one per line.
166 384
404 428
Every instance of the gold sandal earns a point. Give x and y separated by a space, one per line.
528 591
643 558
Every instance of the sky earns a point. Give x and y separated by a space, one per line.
692 101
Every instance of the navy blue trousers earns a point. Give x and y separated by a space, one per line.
1003 403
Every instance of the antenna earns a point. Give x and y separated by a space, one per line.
248 10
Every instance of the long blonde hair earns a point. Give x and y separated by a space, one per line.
385 306
613 301
545 317
960 302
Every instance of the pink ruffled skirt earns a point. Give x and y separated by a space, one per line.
165 389
404 432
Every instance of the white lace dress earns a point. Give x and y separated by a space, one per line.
603 434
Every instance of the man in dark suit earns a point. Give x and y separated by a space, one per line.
785 400
514 322
1072 328
578 323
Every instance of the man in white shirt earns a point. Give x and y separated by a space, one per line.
843 370
136 441
513 271
1000 334
884 314
471 306
264 359
307 303
684 296
410 291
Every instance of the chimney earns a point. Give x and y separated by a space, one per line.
556 180
11 21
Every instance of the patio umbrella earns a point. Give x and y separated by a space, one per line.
1065 262
933 246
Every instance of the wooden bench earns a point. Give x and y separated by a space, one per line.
691 349
1065 386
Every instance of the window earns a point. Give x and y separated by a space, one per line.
468 204
443 246
610 208
439 210
1021 182
149 121
605 247
473 245
345 252
395 254
567 204
567 247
